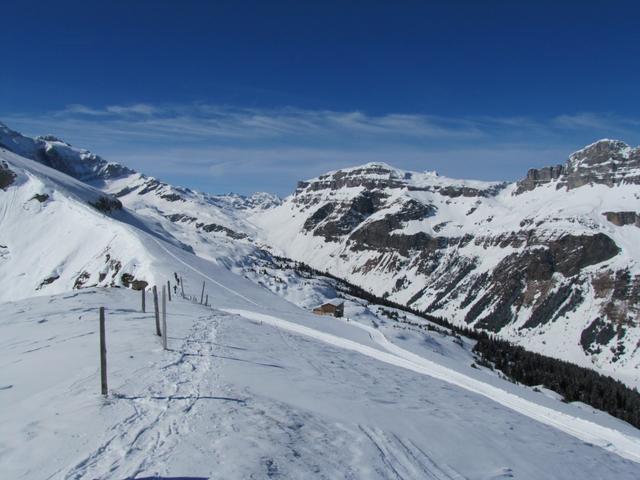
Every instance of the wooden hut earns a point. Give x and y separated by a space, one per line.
333 307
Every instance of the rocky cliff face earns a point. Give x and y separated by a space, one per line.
620 219
607 162
551 262
7 176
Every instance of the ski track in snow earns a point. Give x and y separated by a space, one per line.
612 440
406 460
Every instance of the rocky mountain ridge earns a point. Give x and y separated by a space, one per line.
607 162
551 262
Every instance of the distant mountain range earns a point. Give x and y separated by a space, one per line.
550 262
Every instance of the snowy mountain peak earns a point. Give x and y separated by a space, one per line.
599 152
55 153
607 162
374 168
51 138
263 200
382 176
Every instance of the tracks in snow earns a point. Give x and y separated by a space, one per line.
405 460
143 441
608 438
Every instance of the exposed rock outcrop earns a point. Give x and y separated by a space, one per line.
606 162
107 204
7 176
621 219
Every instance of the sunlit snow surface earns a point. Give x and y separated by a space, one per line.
254 387
239 397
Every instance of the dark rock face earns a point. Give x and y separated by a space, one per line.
597 334
414 210
377 235
346 217
319 216
40 197
127 191
335 220
7 177
107 204
81 280
150 186
572 253
47 281
453 192
129 281
623 218
522 275
552 306
621 294
214 227
181 217
539 176
172 197
607 162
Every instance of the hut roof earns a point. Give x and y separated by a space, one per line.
336 302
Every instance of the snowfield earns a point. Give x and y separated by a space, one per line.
284 395
252 386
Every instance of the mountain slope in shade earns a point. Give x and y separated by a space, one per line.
551 262
53 152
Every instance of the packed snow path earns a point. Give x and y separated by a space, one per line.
162 411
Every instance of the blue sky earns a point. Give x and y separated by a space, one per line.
244 96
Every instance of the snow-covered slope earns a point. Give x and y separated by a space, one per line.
55 153
213 226
58 234
552 262
255 387
258 388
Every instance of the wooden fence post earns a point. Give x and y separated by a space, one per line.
144 300
202 294
103 354
169 289
206 302
182 286
155 304
164 319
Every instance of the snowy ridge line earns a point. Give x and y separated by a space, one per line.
607 438
204 275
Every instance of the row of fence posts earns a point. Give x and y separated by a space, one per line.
161 332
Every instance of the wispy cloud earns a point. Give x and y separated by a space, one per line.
622 126
211 121
205 144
